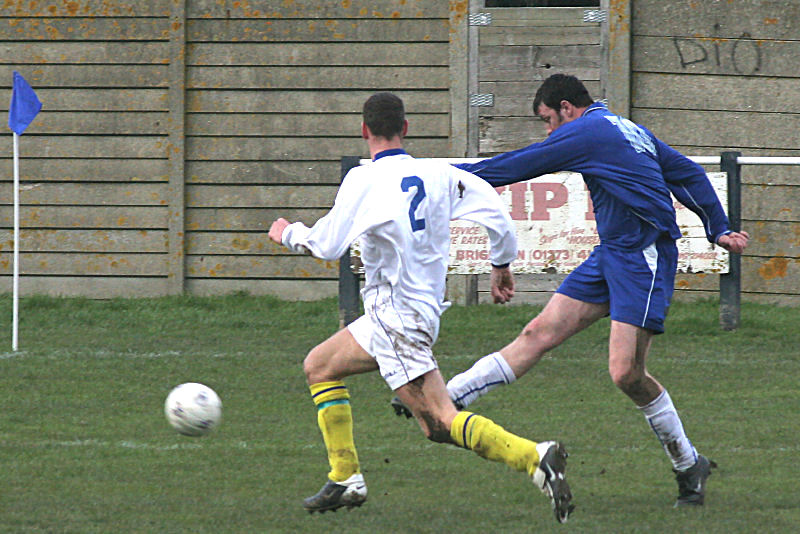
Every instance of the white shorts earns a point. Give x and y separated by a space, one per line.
398 337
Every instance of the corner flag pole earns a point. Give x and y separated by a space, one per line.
24 107
15 283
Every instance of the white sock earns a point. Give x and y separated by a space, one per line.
487 373
664 421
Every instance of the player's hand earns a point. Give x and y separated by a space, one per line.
502 284
734 242
276 230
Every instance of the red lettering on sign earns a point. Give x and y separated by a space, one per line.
541 203
518 212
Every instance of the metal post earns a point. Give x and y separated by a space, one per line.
349 285
730 283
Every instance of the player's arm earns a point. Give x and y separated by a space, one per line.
562 150
276 230
330 236
475 200
688 182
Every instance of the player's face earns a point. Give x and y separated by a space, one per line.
554 119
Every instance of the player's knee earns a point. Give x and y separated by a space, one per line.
314 367
625 378
539 335
309 369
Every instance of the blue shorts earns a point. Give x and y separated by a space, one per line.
637 285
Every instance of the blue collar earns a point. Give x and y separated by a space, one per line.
390 152
594 107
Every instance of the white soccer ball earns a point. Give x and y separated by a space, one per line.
193 409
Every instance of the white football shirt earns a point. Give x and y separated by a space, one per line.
402 208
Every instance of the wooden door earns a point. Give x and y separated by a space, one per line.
513 46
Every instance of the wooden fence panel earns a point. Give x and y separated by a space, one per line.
89 194
263 172
96 99
370 30
77 264
316 54
705 79
204 121
723 128
293 148
523 46
294 125
252 266
710 21
87 170
313 9
745 57
84 29
274 97
94 173
99 240
250 104
86 8
312 101
92 217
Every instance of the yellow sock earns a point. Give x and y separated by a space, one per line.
335 419
491 441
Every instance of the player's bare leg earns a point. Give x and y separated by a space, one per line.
627 354
560 319
628 348
325 368
545 463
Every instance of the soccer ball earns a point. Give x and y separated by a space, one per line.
193 409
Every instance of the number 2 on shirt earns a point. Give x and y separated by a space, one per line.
407 183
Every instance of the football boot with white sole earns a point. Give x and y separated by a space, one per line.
334 495
692 482
400 408
549 477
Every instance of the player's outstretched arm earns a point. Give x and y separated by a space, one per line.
734 242
502 284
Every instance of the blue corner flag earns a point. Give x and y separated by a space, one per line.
24 105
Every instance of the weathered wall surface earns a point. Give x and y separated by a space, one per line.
516 52
95 164
273 102
173 132
714 76
173 128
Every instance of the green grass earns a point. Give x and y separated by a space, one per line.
84 446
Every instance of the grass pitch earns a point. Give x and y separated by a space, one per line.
85 447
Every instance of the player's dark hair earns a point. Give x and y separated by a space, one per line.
384 115
560 87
